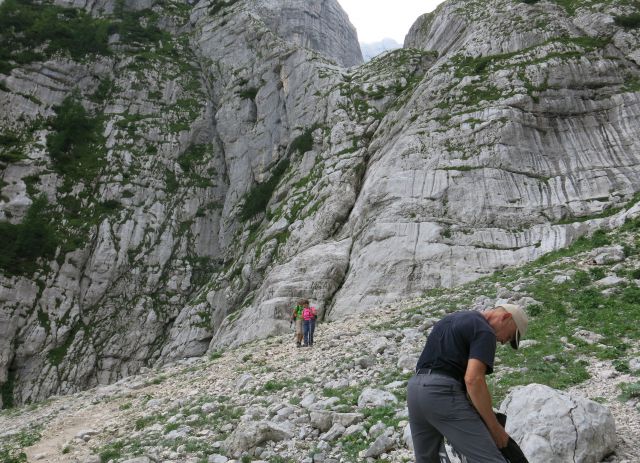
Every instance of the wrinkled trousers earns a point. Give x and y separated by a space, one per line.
439 408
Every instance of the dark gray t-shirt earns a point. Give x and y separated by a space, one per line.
457 338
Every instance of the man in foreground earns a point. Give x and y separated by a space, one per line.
448 396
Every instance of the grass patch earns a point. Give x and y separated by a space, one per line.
584 243
28 438
629 391
112 451
564 308
280 385
273 385
34 31
8 455
109 206
346 395
470 66
171 427
146 421
157 380
352 445
631 21
386 415
135 27
570 6
216 354
11 446
105 88
483 65
279 459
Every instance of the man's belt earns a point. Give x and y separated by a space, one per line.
439 371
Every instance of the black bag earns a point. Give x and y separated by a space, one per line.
512 451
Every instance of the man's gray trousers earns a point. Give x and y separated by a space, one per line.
438 406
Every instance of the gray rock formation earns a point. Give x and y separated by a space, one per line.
250 434
375 398
475 177
555 427
241 165
176 168
320 25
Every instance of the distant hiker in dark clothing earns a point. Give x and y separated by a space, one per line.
296 317
309 316
448 396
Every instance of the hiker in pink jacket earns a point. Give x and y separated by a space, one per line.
309 316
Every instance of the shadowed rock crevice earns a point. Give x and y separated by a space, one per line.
573 457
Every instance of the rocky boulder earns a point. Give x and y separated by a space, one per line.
376 398
555 427
250 434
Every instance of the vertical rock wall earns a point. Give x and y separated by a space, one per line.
179 147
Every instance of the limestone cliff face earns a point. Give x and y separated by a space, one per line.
315 24
151 220
242 161
523 123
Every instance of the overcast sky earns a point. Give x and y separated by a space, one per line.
379 19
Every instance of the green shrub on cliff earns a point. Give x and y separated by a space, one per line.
33 31
133 29
256 200
27 26
220 5
10 148
21 245
73 140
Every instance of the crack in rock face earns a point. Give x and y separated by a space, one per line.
571 411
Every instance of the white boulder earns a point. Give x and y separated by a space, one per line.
555 427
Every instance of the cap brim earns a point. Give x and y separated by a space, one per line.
516 340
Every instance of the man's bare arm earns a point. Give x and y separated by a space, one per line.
478 391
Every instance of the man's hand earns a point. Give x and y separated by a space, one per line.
478 391
500 436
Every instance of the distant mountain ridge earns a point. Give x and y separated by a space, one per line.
373 49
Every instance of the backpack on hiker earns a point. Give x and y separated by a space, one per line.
297 312
309 313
